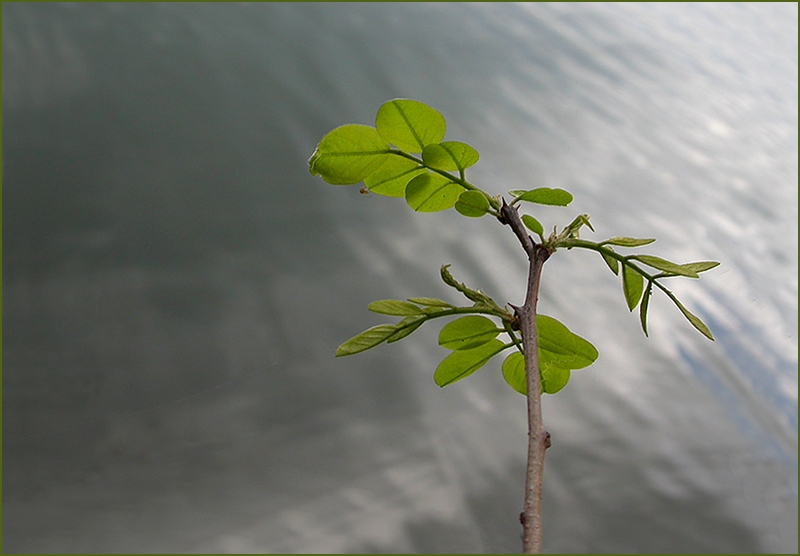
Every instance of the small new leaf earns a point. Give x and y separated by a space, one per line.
409 124
532 224
701 266
560 347
468 332
695 320
472 203
667 266
632 286
627 241
553 378
612 263
394 307
644 306
514 372
430 302
432 193
405 327
544 196
463 363
348 154
366 340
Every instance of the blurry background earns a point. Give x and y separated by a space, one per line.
175 282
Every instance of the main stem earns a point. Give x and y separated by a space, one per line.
538 438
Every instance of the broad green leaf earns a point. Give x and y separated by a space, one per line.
632 286
392 178
666 266
432 193
405 327
612 263
366 340
558 346
430 302
544 196
348 154
628 241
514 372
532 224
701 266
394 307
410 125
472 203
695 320
644 306
468 332
463 363
553 378
449 156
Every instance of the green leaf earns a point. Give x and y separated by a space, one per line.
405 327
394 307
432 193
410 125
366 340
472 203
514 372
695 320
632 286
348 154
468 332
463 363
627 241
532 224
392 178
701 266
558 346
666 266
544 196
644 306
430 302
449 156
553 378
612 263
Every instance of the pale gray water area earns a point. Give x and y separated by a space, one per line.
176 282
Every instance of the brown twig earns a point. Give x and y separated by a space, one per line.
538 438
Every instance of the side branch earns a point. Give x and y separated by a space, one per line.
510 216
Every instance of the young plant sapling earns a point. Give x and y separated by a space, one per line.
405 155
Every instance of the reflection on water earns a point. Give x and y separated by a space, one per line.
176 282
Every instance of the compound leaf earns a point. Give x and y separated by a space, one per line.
366 340
410 125
432 193
632 286
348 154
394 307
472 203
532 224
628 241
544 196
449 156
463 363
393 176
468 332
667 266
560 347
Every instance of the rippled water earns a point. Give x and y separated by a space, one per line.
175 282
